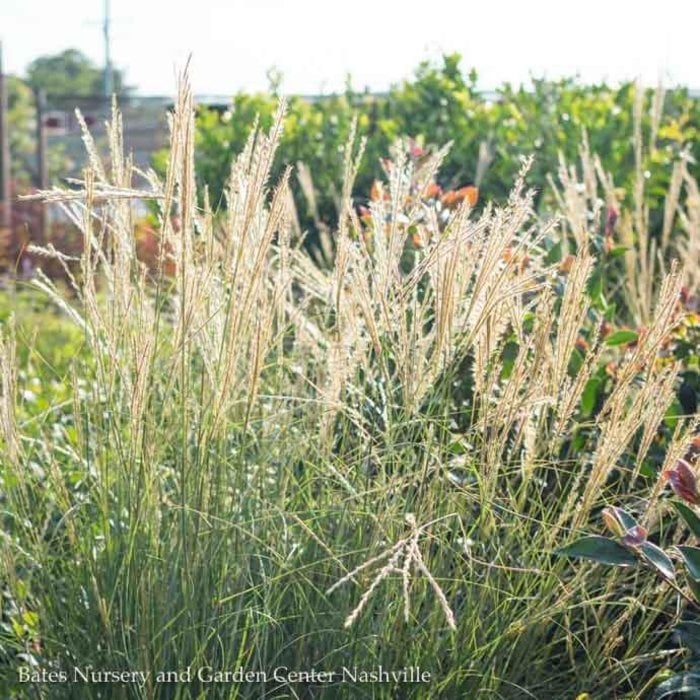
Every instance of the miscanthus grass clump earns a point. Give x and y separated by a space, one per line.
269 462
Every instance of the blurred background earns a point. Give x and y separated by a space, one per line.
499 80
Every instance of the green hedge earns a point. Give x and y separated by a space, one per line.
442 104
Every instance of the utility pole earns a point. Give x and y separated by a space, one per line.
5 195
42 170
109 74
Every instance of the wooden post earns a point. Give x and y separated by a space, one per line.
42 172
5 195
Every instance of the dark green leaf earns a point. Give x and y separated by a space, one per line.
599 549
689 516
626 520
689 632
658 559
685 685
691 557
694 588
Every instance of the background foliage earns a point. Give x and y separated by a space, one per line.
439 105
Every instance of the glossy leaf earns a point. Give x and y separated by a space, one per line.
691 558
682 685
689 633
626 520
694 588
658 559
599 549
689 516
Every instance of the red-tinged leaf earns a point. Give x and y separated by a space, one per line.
452 198
634 537
683 482
610 221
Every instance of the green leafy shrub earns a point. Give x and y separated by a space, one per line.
489 134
